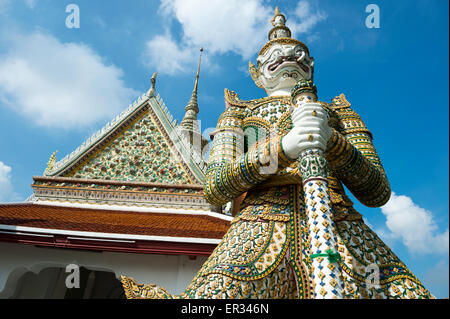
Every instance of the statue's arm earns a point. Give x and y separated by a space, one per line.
230 171
354 159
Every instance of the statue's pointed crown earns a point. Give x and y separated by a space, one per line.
280 33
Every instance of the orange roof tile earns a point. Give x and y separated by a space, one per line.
112 221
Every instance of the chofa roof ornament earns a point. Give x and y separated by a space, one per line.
152 91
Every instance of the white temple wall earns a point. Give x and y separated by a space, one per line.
171 272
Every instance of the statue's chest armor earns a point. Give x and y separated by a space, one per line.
261 120
270 111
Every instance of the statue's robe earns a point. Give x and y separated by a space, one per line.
265 253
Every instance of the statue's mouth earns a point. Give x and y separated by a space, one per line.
284 60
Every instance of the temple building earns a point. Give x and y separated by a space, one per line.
129 200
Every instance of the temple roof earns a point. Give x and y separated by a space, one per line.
23 222
141 158
134 186
189 121
190 125
114 221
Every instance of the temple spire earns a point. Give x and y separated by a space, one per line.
190 117
198 71
189 124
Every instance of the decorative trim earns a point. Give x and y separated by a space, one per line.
93 235
139 209
282 41
232 98
57 179
123 198
113 245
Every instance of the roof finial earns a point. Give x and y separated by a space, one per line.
51 162
198 71
189 125
153 79
192 106
152 90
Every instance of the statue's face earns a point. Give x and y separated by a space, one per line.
283 65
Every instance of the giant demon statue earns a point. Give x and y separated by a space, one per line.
283 160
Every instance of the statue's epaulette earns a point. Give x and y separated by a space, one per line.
349 121
339 102
232 99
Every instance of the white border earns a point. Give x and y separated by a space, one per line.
135 209
95 235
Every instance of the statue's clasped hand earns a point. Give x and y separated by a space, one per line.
310 129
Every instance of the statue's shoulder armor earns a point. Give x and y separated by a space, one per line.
233 115
348 121
232 99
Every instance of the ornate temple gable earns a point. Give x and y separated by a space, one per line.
140 159
141 145
143 152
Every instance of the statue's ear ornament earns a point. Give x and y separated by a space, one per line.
254 73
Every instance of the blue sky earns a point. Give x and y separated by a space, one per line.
60 85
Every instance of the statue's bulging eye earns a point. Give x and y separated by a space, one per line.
275 54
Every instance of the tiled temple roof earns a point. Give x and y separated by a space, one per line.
135 186
113 221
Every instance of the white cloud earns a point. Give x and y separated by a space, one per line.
5 4
437 279
221 27
313 38
414 226
31 3
100 22
366 221
7 193
165 53
308 17
60 85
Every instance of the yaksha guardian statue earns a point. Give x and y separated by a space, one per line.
286 158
